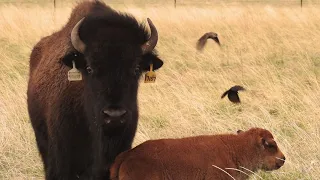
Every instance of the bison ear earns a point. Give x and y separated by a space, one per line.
76 57
148 59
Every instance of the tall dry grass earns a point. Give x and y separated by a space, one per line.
273 51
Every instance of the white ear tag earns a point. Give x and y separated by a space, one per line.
74 74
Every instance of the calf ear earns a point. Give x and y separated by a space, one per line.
239 131
150 59
76 57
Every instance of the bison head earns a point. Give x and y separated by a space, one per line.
271 157
112 53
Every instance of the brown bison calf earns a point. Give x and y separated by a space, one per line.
201 157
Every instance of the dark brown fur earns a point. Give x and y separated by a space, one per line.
72 138
192 158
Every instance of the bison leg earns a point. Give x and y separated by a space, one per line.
42 142
40 129
69 152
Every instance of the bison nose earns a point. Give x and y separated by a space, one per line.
114 113
280 162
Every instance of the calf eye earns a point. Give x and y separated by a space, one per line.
271 146
89 69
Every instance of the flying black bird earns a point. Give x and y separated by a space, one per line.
233 94
203 40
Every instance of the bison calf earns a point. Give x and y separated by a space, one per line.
201 157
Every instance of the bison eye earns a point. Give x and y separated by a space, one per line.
89 69
137 70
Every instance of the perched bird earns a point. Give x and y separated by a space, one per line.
233 93
203 40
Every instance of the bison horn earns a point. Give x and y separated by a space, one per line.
77 43
152 42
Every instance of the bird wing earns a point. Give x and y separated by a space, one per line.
237 88
224 94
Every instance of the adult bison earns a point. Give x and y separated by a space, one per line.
81 126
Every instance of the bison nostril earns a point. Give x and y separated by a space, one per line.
284 158
108 121
114 112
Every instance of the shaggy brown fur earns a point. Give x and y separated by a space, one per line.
192 158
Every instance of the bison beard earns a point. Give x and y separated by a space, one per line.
80 127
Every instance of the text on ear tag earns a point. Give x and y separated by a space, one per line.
150 76
74 74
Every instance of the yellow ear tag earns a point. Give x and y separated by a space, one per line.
150 76
74 74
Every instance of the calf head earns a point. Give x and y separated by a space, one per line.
112 52
270 156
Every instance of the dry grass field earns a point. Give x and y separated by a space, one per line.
273 51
